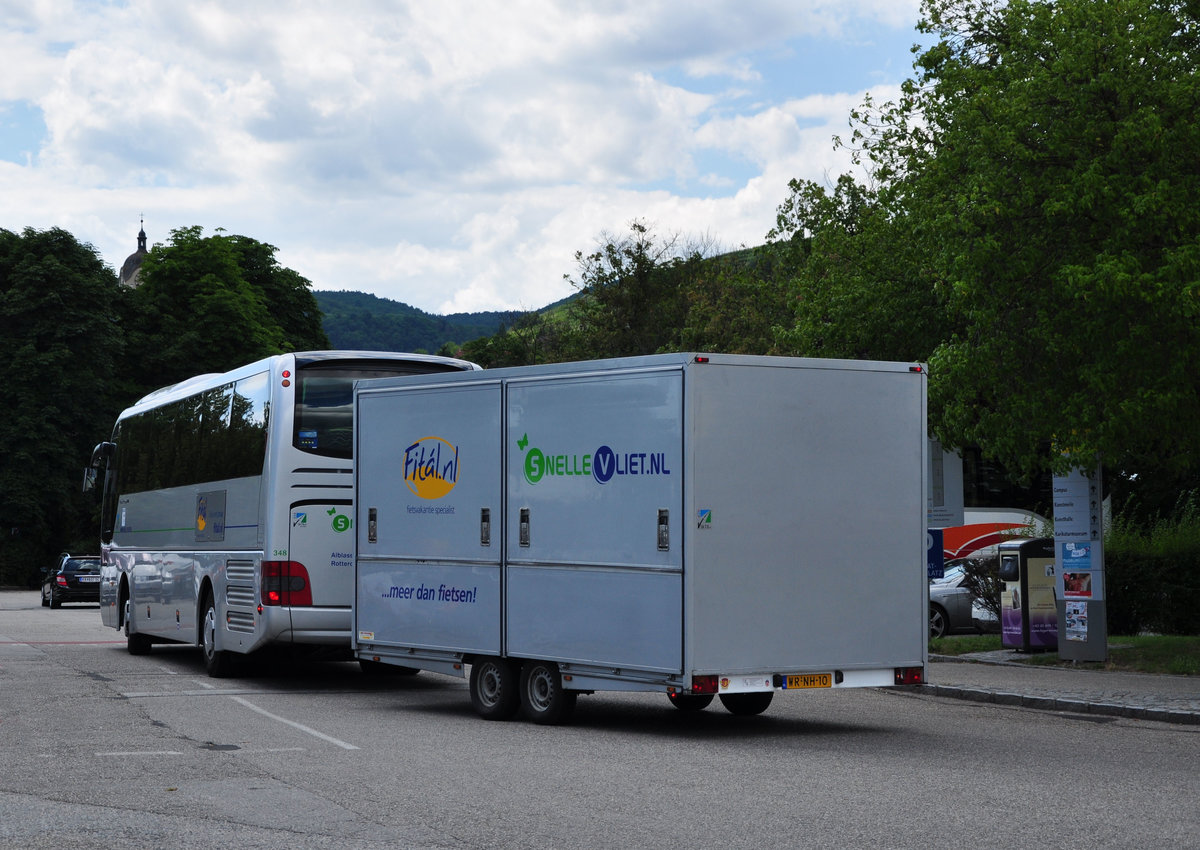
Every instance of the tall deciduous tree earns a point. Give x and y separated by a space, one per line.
287 295
1048 150
59 308
631 299
211 303
858 284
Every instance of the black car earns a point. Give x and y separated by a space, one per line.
75 579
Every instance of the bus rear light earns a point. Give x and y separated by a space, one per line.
704 684
910 675
285 583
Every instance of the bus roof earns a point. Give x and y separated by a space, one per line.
303 358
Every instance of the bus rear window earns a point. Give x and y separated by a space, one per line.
324 418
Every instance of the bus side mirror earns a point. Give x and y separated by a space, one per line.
103 452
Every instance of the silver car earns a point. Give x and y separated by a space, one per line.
952 608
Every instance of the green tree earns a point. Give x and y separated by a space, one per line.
212 303
59 311
1046 153
632 299
530 338
737 303
639 294
287 295
858 286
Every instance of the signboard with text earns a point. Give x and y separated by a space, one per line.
1079 564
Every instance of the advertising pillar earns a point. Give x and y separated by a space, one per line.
1079 558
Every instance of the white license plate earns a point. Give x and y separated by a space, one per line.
87 579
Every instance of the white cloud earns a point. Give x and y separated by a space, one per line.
452 155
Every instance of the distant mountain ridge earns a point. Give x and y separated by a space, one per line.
366 322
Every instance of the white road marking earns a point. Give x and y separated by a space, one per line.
143 753
294 724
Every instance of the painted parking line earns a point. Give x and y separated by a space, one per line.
188 693
294 724
142 753
60 642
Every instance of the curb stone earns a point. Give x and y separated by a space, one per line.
1040 699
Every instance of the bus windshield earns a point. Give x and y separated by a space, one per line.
324 418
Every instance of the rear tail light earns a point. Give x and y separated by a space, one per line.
61 581
910 675
285 583
704 684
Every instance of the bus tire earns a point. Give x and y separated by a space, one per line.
217 662
544 700
135 642
747 704
495 688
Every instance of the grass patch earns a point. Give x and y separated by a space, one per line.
963 644
1176 655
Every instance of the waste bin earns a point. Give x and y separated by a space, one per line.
1028 614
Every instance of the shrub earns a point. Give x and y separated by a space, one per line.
1153 572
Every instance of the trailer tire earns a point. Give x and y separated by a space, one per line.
544 700
217 662
495 688
747 704
690 702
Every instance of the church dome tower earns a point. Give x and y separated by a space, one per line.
133 263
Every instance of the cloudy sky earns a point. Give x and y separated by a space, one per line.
453 155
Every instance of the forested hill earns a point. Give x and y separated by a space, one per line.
359 320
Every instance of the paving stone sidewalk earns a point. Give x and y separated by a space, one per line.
994 677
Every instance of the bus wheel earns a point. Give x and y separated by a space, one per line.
543 698
745 704
136 643
495 688
216 661
690 702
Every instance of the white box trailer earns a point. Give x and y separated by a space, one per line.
695 525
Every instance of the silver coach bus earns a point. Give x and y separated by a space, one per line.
227 510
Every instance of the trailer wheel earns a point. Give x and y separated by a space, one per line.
543 698
495 688
747 704
690 702
216 661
